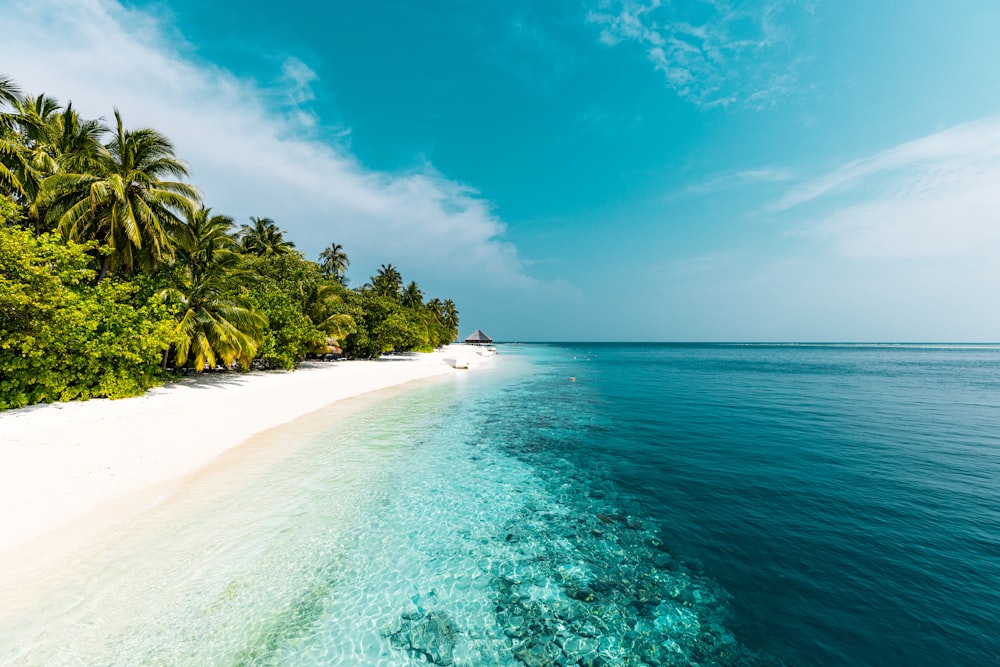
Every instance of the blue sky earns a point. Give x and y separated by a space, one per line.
602 170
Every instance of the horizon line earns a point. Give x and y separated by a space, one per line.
738 342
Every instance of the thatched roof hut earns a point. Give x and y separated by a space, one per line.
479 338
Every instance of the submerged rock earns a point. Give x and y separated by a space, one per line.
634 524
582 594
432 635
676 620
588 629
580 648
537 654
514 625
603 586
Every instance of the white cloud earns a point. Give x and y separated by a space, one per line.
934 197
712 52
252 159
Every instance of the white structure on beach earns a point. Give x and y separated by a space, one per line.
483 342
478 338
481 346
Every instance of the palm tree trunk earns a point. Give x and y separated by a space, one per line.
105 267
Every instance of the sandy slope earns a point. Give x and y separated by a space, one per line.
61 462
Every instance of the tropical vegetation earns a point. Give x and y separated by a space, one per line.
114 273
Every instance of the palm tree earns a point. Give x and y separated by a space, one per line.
263 238
321 303
450 316
204 237
333 261
211 326
10 94
412 297
37 140
387 282
436 308
27 150
60 142
23 132
34 119
124 203
12 159
75 142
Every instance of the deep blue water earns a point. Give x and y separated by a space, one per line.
847 497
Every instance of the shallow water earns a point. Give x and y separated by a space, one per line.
673 505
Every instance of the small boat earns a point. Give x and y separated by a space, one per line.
457 362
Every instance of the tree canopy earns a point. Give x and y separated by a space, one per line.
114 273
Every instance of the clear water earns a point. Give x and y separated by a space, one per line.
674 504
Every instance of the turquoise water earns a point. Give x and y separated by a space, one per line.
846 497
672 505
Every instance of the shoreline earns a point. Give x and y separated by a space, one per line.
69 471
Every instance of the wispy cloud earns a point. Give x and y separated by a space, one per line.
931 198
736 179
250 155
712 52
300 77
296 85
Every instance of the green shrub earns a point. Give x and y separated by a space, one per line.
63 338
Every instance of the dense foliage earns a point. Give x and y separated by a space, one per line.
113 273
278 287
64 337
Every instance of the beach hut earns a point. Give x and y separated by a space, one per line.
479 338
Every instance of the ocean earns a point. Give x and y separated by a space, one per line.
594 504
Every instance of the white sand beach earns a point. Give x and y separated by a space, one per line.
66 462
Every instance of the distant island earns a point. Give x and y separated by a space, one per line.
114 272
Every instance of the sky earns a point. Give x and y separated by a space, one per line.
697 170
